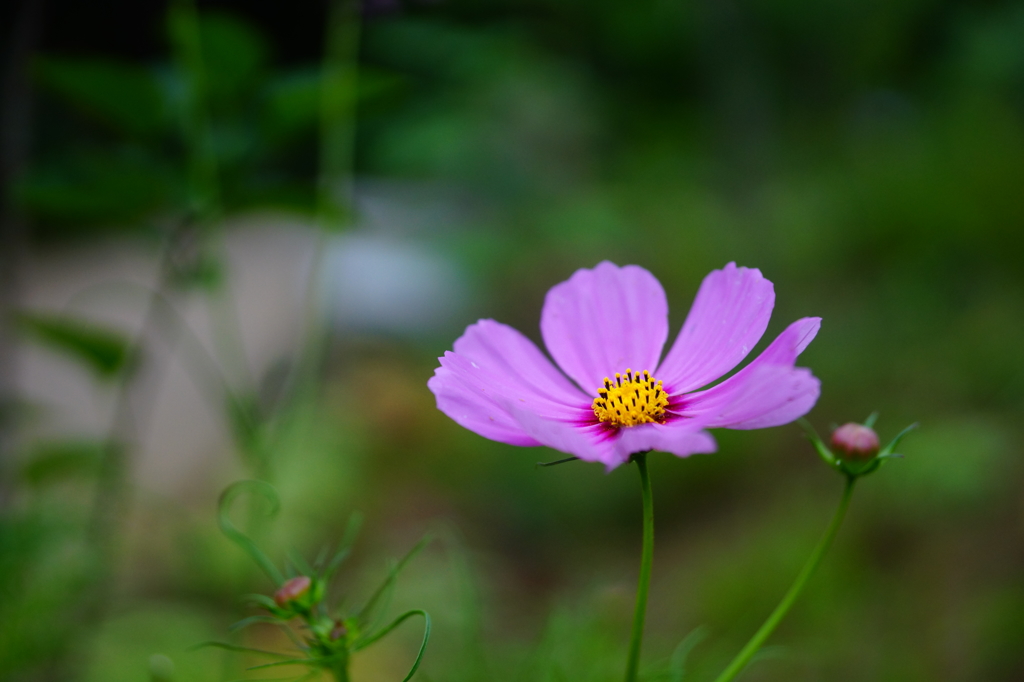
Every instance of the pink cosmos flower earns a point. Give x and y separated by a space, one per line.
606 328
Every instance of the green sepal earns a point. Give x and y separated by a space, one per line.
819 445
855 469
889 450
317 591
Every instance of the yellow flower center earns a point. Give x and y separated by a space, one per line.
630 399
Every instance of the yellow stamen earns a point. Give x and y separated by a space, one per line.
631 399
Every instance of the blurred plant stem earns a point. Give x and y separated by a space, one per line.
205 204
15 136
335 197
757 641
338 98
646 558
204 183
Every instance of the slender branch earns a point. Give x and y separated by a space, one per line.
646 558
757 641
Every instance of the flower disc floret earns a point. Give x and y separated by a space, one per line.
631 399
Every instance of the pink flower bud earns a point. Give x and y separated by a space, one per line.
855 442
292 590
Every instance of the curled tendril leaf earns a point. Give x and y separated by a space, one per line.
238 537
383 632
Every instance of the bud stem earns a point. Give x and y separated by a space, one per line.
759 638
646 558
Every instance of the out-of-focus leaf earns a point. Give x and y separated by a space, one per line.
234 55
122 96
103 350
51 462
292 104
92 187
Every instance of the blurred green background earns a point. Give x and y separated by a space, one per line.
404 168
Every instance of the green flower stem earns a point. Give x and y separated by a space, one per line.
646 558
757 641
339 669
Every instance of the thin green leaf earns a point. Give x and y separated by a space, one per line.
870 421
237 536
242 650
301 564
367 641
812 435
261 600
308 676
103 350
677 666
252 620
278 664
390 580
355 522
888 450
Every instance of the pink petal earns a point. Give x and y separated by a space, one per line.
768 392
502 349
589 443
613 448
728 318
492 366
603 321
472 410
678 437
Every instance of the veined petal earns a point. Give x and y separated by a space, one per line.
728 318
603 321
768 392
494 365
